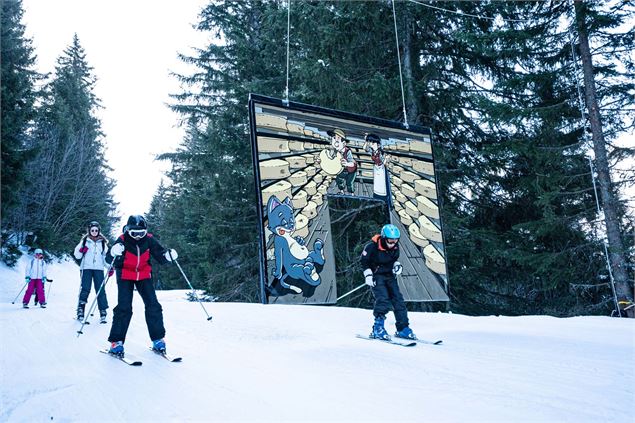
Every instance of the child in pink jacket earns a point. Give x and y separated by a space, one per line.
35 275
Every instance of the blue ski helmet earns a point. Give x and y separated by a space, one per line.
390 231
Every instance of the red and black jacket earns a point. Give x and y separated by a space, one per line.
378 257
134 264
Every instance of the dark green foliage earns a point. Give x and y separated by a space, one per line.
516 192
17 84
66 168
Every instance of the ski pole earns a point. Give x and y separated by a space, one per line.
351 291
92 306
81 278
195 296
16 297
50 286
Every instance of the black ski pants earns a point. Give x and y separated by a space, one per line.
97 277
123 312
387 294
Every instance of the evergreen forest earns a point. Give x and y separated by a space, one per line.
526 101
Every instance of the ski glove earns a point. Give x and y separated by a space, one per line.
368 275
171 255
83 250
111 272
27 279
397 268
116 250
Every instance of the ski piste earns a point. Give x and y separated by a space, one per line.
167 356
387 341
130 360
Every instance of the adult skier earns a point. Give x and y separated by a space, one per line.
380 266
91 253
132 254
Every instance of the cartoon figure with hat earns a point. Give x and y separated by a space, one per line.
345 178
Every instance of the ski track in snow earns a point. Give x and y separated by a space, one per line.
303 363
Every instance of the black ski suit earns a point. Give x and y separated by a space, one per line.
133 269
380 259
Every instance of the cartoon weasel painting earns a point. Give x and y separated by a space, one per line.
296 268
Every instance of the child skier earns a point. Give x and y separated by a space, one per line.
91 251
380 265
131 254
35 275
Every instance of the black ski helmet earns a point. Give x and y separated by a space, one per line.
136 222
94 224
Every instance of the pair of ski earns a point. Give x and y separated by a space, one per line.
401 342
133 361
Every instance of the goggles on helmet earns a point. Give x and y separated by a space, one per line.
137 233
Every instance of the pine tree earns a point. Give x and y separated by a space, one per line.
18 97
588 22
72 187
498 94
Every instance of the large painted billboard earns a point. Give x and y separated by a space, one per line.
303 155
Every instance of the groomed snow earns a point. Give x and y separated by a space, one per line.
302 363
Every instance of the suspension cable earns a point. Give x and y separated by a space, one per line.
403 97
467 14
286 91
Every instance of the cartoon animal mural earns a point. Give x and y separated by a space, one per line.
297 269
312 156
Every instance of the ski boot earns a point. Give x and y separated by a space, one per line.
116 348
102 316
158 345
80 311
378 330
25 305
405 333
43 305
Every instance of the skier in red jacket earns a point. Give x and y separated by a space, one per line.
132 253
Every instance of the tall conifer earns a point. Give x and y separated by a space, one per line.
18 79
71 186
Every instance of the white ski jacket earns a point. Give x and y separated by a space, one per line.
36 269
95 256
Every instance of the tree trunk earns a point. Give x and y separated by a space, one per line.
616 247
411 99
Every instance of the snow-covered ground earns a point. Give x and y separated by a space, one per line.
303 363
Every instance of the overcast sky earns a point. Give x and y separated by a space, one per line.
132 46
